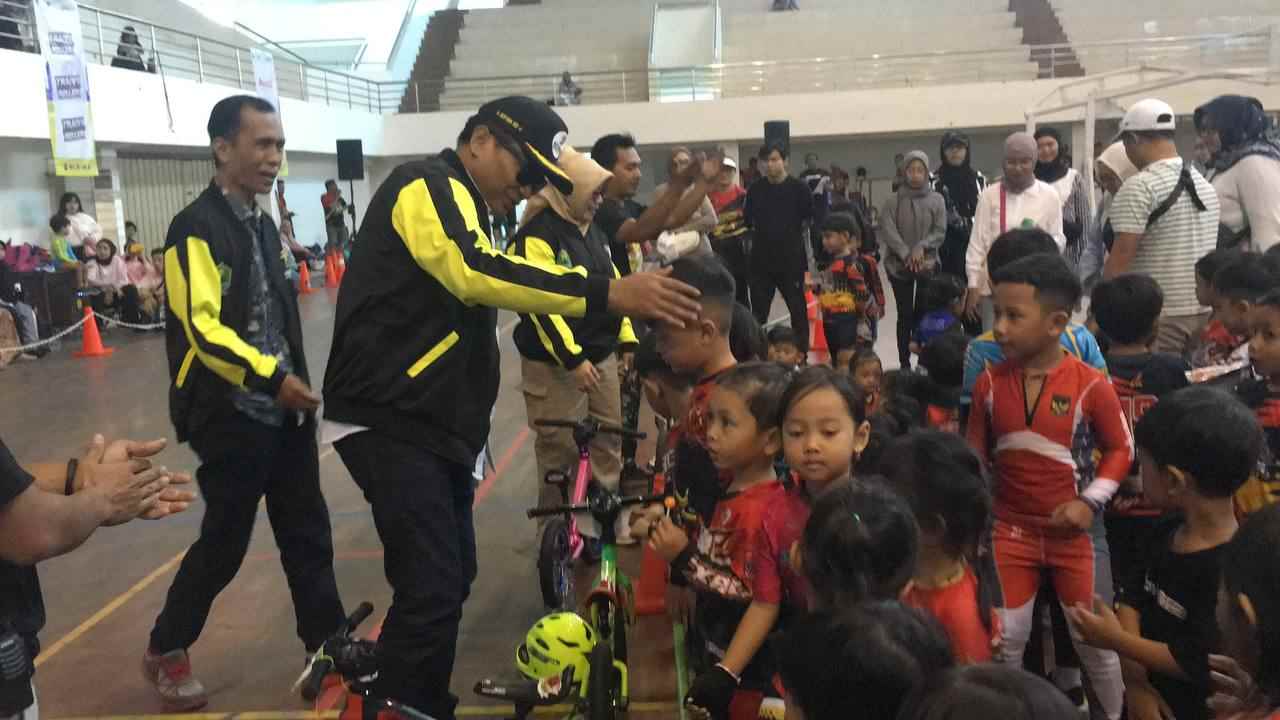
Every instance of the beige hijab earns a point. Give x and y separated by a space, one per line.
587 177
1115 158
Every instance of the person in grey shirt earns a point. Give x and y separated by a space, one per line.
913 224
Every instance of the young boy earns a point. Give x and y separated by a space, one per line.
943 360
668 396
1263 487
1127 310
941 305
1237 285
849 290
1036 419
1215 343
1196 447
783 348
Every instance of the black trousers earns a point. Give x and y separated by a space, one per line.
422 510
734 256
126 300
764 283
283 465
906 289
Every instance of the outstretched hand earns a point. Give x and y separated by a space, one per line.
655 296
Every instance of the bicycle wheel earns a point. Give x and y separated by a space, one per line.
600 684
555 565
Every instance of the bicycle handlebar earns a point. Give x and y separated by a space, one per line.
606 429
323 665
586 507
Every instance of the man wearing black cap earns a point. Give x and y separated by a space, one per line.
413 370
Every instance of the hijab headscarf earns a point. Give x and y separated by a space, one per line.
1055 170
1115 158
587 177
911 213
1019 144
1243 129
960 181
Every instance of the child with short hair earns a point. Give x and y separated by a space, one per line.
862 661
867 372
849 290
668 395
1127 309
1215 343
1196 448
1237 286
1036 420
943 482
783 347
943 360
941 305
1249 611
743 439
1263 395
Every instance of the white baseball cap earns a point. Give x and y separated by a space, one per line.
1147 115
727 161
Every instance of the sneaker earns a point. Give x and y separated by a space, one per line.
1078 698
170 674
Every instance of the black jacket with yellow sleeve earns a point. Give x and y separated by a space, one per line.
207 264
549 239
415 350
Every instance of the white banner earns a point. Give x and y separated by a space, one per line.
264 84
66 88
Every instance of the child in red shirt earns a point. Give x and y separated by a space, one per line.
943 481
1036 420
719 562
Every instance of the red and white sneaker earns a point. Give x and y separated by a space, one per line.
170 674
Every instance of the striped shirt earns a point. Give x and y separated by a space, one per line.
1169 249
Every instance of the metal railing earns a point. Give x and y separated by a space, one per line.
180 54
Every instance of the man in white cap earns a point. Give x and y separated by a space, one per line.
1165 219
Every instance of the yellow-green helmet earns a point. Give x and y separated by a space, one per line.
555 642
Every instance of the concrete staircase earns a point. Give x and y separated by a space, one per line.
432 64
1040 26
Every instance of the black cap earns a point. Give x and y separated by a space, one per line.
540 133
842 223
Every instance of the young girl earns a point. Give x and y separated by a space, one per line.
942 480
1248 676
941 305
860 544
743 439
867 373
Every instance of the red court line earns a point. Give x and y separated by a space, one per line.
331 697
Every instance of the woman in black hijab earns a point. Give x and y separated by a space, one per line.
1053 166
959 184
1244 167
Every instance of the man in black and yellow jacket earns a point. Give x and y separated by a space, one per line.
240 396
569 366
413 369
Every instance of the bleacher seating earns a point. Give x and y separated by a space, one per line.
1164 32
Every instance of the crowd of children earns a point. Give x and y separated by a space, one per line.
864 543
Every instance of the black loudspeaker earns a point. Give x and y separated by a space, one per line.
350 160
778 132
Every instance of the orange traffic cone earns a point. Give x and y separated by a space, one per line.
651 592
92 345
330 272
304 279
819 342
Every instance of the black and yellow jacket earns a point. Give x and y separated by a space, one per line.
207 263
415 350
549 239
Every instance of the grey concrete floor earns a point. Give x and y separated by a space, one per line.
103 598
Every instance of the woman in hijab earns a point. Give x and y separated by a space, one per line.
84 233
1053 166
959 184
109 273
1244 168
913 225
1112 169
570 365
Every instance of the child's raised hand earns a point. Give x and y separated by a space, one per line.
1098 627
1233 688
667 539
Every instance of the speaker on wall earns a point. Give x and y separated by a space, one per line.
350 160
778 132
